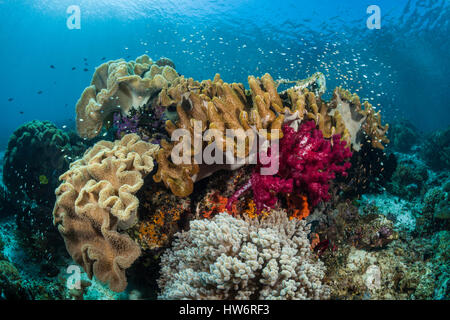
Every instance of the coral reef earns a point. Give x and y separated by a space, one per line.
96 199
229 258
345 225
260 108
119 86
341 217
367 259
435 214
37 149
409 179
403 135
435 149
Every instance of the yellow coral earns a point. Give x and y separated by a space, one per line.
220 106
119 86
96 199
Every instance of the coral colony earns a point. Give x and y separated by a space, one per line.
153 198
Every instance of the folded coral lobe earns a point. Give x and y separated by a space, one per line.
96 200
119 86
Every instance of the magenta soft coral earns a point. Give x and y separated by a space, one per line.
307 163
312 161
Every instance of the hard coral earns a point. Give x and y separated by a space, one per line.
231 258
37 149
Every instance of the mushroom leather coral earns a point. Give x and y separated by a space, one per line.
96 199
119 86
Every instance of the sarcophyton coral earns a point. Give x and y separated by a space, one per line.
354 117
96 199
37 149
119 86
220 106
230 258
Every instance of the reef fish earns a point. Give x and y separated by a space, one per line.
43 179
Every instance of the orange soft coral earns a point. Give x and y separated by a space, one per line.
155 233
298 206
160 216
315 240
217 204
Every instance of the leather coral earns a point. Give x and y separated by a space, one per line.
220 106
96 200
119 86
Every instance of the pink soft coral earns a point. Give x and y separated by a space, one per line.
307 163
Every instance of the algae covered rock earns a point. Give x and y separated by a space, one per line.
435 214
403 136
436 149
10 282
408 180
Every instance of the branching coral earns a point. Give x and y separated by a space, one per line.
230 258
95 199
307 163
119 86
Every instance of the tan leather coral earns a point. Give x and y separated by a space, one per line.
97 199
119 86
221 106
358 120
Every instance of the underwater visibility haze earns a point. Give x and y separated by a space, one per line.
208 149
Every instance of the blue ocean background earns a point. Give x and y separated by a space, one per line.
402 68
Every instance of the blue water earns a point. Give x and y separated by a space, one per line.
402 68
